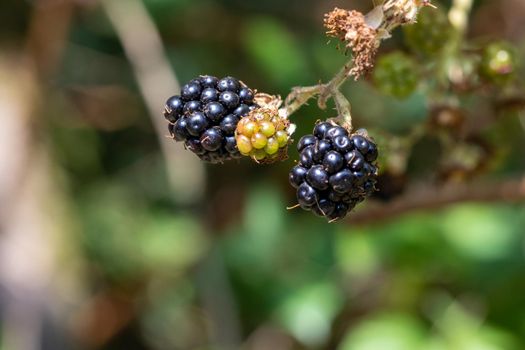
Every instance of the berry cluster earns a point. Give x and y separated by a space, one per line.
205 116
396 74
263 135
498 63
336 170
427 36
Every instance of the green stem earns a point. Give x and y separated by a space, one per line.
343 108
329 89
301 95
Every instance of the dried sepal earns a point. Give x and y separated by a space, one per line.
351 28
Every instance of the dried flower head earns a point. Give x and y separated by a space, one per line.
401 12
351 28
363 34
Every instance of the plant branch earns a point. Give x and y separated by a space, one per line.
299 96
343 109
156 80
428 197
330 88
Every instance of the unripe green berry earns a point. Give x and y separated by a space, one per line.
396 74
282 138
430 33
272 146
498 64
258 154
267 128
244 144
264 134
259 140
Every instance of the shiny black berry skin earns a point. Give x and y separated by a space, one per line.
229 84
297 176
214 111
333 162
320 129
306 141
246 95
191 91
174 108
321 147
229 123
209 95
241 110
306 196
205 115
317 177
179 131
208 81
196 123
211 139
192 106
229 99
335 131
342 143
306 157
336 170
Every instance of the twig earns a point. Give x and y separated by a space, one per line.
299 96
333 85
343 109
428 197
156 81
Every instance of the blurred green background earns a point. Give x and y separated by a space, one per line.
101 249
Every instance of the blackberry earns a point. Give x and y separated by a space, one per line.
335 172
205 115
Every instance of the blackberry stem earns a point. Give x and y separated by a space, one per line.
329 89
343 108
299 96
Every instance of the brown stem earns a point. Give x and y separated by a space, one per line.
157 81
428 197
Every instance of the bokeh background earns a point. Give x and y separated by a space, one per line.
114 237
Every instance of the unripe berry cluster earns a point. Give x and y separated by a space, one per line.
498 63
396 74
428 35
205 116
263 135
335 172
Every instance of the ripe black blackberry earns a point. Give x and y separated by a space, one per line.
335 172
204 116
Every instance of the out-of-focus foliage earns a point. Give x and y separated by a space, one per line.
237 267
